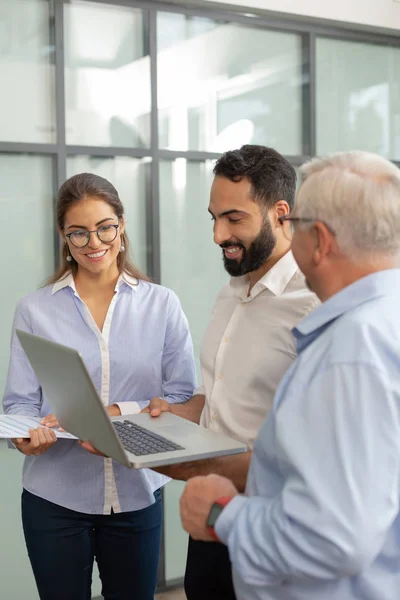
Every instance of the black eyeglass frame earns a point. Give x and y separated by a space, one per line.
96 231
290 219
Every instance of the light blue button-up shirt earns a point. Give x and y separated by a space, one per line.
144 350
320 519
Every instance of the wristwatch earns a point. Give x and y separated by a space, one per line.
215 510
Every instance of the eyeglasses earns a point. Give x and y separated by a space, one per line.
81 237
290 219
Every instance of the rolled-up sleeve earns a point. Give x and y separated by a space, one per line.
178 366
23 394
338 444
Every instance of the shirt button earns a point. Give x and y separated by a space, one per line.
220 376
226 340
213 418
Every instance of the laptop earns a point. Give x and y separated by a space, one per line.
136 441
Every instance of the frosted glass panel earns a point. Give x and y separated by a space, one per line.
358 98
27 258
129 176
27 98
191 264
221 85
26 206
176 539
107 75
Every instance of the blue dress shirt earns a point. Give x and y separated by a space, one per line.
320 519
145 350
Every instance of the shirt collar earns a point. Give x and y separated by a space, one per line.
364 290
68 281
275 280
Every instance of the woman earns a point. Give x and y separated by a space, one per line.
135 341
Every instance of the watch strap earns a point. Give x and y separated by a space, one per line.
222 502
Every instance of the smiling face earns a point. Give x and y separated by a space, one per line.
241 228
91 214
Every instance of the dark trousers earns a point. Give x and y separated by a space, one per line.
208 572
62 545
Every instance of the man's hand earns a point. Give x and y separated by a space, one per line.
41 439
196 501
157 406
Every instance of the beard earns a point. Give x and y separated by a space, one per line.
254 256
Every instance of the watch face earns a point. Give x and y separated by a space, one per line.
214 513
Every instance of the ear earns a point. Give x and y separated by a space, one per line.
279 209
122 224
325 242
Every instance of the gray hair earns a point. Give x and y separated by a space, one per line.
357 194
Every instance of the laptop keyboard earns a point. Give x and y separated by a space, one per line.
141 441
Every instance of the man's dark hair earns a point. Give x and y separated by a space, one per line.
272 177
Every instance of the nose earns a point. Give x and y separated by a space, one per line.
221 232
94 241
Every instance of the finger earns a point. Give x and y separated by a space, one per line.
61 429
155 412
46 438
34 441
89 448
49 435
155 403
146 410
41 434
50 422
48 418
51 425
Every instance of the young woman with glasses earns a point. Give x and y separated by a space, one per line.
135 341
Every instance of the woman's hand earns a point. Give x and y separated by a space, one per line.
40 441
51 421
113 411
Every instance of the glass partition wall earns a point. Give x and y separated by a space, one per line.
148 95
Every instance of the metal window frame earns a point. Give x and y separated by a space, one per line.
307 28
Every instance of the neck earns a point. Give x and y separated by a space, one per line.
279 252
88 283
345 272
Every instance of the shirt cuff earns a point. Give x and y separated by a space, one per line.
199 391
128 408
227 518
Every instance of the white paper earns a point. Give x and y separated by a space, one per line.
17 426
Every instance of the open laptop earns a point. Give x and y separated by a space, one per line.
136 441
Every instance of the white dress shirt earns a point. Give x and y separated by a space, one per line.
248 347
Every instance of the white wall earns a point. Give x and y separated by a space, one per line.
375 13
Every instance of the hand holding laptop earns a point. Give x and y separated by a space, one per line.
52 421
157 406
